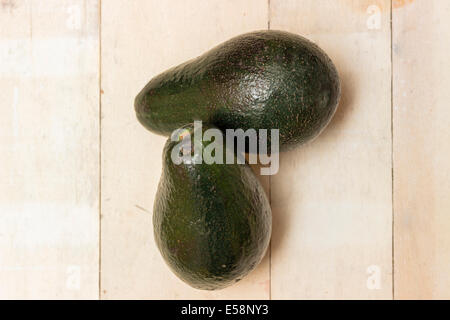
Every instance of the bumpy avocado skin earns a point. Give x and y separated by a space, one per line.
212 223
260 80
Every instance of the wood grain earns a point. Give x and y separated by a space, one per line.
421 96
332 198
139 40
49 169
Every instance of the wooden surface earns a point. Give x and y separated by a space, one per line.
131 156
331 199
422 150
361 212
49 139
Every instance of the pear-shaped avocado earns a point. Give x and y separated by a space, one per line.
212 222
259 80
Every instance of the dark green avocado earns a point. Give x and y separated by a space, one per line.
259 80
212 223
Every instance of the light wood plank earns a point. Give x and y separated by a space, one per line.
331 199
139 40
49 168
421 33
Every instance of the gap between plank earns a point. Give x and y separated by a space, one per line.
100 150
392 160
270 187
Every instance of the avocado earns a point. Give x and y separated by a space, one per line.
259 80
212 222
